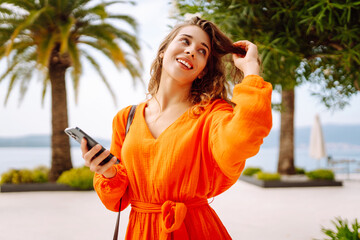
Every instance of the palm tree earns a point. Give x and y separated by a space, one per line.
50 37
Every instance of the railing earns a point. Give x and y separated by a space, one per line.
343 165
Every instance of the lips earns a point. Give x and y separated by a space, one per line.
184 62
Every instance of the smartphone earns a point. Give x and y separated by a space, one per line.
78 134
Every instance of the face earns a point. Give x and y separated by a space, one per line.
186 56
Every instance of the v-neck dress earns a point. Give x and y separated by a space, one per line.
167 180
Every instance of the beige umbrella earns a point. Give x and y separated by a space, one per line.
317 143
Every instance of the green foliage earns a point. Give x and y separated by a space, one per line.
249 171
35 35
16 176
299 170
268 176
40 174
324 174
343 230
299 41
81 178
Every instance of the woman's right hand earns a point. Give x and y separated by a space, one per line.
248 64
107 170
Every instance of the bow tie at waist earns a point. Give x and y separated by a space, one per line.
172 215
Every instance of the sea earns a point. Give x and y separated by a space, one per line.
266 159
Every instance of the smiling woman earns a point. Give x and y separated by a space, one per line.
193 143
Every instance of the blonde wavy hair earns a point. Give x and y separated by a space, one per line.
213 85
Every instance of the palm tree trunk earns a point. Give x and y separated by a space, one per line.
286 152
61 158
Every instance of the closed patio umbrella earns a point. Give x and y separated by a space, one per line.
317 143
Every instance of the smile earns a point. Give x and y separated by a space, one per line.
185 63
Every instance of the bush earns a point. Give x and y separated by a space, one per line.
251 171
16 176
343 231
299 170
268 176
81 178
321 174
40 174
11 176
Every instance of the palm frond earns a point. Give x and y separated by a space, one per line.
128 38
101 74
30 19
131 21
65 31
8 71
134 71
44 49
45 84
76 66
5 11
10 87
98 10
25 5
119 1
25 74
106 39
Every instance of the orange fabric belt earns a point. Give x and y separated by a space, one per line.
172 215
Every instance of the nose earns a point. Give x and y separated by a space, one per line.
190 52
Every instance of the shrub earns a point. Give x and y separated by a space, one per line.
11 176
81 178
40 174
251 171
343 231
323 174
16 176
299 170
25 176
268 176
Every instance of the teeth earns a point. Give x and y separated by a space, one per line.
185 63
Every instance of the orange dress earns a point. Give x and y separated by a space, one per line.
168 180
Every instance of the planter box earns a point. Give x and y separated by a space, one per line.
290 182
30 187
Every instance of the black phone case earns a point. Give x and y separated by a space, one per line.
78 134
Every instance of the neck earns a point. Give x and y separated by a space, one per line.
171 93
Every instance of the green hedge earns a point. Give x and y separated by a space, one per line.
16 176
250 171
81 178
321 174
299 170
268 176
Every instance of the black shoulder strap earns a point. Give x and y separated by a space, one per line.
130 118
128 123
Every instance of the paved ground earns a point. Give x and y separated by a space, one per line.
249 212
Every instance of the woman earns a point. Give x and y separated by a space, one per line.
186 143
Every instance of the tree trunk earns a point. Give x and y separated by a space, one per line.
286 152
60 144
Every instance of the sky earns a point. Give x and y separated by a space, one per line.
95 108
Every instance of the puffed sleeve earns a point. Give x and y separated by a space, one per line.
111 190
236 135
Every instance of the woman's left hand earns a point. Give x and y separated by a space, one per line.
249 63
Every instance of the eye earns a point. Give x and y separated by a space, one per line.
185 41
202 51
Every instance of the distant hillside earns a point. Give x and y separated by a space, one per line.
333 134
38 141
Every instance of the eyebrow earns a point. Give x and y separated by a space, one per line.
189 36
